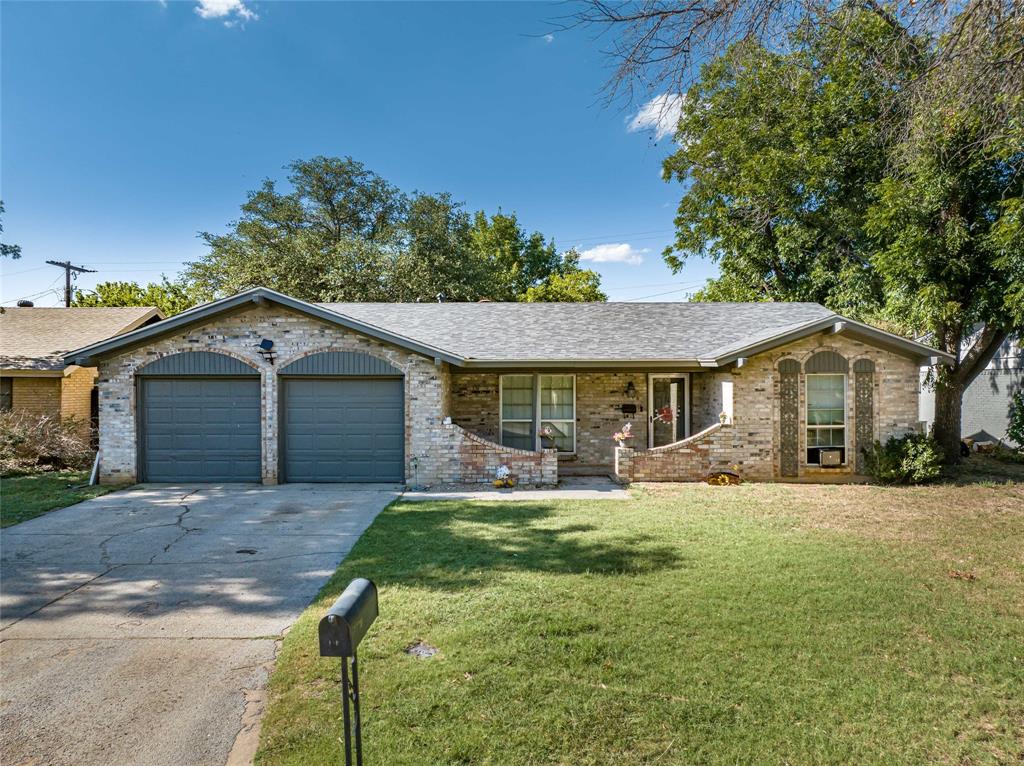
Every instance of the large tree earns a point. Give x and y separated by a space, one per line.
951 250
342 233
778 153
974 49
815 170
170 297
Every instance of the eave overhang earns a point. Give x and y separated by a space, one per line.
86 357
259 296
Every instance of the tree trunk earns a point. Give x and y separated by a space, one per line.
950 384
946 427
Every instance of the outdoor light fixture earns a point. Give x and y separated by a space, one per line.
266 350
630 390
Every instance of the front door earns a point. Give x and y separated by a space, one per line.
668 408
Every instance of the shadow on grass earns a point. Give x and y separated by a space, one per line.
455 545
987 470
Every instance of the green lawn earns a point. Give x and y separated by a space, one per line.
728 625
25 497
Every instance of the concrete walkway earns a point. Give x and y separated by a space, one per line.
568 489
138 628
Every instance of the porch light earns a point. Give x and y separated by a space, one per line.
630 391
266 350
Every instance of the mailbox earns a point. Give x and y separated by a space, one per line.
348 619
341 630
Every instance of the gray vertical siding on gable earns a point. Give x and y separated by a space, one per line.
826 362
204 363
341 363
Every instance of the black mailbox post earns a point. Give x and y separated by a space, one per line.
341 630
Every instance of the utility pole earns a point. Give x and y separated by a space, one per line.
68 268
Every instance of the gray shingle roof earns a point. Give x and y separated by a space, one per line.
587 331
38 338
553 334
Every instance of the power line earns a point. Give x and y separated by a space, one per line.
667 292
649 232
23 271
655 284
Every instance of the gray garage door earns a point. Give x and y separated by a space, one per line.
345 430
200 429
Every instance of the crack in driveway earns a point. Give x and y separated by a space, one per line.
160 661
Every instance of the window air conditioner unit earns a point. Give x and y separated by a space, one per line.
830 458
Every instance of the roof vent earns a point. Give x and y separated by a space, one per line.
25 304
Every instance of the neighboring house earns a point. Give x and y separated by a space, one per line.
262 386
986 402
33 342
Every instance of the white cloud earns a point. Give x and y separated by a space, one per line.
617 252
549 38
232 11
661 114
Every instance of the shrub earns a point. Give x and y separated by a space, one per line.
1015 429
910 459
42 442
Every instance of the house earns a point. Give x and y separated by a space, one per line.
986 402
33 342
262 386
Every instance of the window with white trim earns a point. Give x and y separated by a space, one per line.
558 412
826 416
517 413
538 411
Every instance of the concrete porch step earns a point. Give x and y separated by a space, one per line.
583 469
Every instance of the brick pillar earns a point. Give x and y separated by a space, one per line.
624 464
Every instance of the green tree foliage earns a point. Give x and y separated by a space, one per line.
171 298
7 250
342 233
571 285
799 187
779 152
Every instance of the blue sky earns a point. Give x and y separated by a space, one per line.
128 127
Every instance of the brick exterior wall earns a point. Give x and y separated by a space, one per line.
896 393
38 396
465 458
749 443
717 447
295 335
475 407
706 396
465 450
599 395
76 395
474 404
435 452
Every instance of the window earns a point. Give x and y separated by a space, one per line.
517 411
826 416
6 394
538 411
558 412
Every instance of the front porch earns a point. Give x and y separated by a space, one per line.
575 414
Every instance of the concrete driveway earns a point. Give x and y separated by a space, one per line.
139 627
